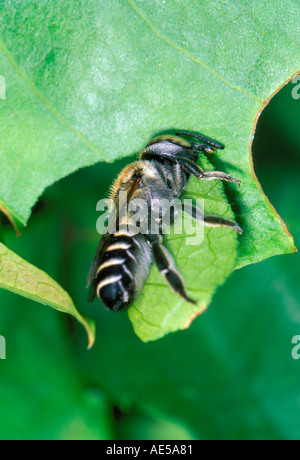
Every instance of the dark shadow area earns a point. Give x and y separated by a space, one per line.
277 138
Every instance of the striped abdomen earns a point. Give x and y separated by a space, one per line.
123 270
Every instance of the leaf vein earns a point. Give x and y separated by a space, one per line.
189 55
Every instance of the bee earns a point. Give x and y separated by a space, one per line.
123 259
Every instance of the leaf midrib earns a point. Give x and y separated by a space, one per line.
190 56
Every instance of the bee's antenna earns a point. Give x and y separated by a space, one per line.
207 140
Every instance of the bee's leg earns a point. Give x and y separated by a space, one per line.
188 163
200 147
198 172
166 266
216 221
211 175
209 220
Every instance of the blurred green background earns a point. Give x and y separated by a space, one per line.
230 376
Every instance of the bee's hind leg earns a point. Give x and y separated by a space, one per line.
216 221
166 266
209 220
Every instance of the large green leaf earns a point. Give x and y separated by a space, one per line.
84 84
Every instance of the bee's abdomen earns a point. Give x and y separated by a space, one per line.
123 270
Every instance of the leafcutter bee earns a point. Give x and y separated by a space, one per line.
123 258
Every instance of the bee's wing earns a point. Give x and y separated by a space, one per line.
127 193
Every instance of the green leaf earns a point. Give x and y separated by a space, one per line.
74 98
20 277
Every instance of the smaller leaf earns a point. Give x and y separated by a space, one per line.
20 277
